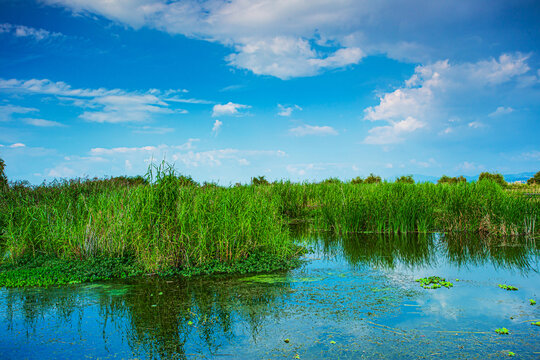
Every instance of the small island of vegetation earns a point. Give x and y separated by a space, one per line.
165 223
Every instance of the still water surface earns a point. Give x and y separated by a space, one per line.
354 298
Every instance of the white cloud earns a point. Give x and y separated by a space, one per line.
469 166
153 130
432 90
425 164
217 126
228 109
501 110
100 105
289 38
25 31
7 111
305 130
288 57
394 133
42 122
17 145
287 110
531 155
476 124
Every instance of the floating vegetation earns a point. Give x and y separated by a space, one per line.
510 353
434 282
532 302
287 340
537 323
502 331
277 278
508 287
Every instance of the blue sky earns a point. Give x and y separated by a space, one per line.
288 89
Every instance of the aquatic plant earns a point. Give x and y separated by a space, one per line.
168 223
532 302
537 323
434 282
502 331
508 287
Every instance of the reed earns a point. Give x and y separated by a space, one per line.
167 221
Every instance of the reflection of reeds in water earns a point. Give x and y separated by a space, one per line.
201 311
520 253
419 250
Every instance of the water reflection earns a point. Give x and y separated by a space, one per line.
420 250
347 285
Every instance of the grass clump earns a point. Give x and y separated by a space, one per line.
508 287
502 331
434 282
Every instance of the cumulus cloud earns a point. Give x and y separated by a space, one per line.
290 38
100 105
287 110
230 109
30 32
217 126
394 133
305 130
435 89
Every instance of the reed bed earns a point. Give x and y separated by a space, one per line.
168 221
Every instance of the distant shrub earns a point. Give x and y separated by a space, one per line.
331 181
357 180
259 181
451 180
3 177
407 179
535 180
372 179
496 178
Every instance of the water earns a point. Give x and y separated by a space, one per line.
354 298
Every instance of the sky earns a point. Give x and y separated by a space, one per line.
286 89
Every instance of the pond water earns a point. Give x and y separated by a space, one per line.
354 298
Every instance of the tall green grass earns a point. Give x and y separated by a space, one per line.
403 207
162 224
169 221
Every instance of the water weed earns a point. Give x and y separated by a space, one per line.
508 287
434 282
